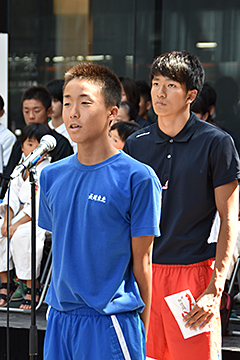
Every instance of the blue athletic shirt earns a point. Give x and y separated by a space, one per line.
92 212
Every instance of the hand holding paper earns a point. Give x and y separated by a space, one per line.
206 307
181 304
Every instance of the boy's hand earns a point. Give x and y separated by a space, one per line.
207 306
4 230
12 229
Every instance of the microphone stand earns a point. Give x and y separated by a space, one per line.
33 335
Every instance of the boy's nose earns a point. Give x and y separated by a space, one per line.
31 114
161 91
74 114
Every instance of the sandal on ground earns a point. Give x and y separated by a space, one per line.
29 302
11 292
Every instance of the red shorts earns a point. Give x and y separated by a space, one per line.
165 340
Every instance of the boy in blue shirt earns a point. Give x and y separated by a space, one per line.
103 209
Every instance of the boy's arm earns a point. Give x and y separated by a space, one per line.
142 270
4 225
226 198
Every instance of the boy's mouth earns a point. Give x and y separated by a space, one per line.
74 126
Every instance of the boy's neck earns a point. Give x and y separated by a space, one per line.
57 121
91 154
172 126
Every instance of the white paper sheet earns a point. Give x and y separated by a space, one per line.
180 304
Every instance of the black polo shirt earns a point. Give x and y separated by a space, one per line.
190 166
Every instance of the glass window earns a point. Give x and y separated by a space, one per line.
47 37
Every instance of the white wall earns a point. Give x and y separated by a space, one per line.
4 75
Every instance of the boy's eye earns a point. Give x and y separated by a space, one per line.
171 85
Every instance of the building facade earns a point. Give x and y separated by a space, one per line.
46 37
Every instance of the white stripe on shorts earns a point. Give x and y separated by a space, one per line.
120 336
48 311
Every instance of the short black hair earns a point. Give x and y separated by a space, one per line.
39 93
125 128
55 89
180 66
101 76
35 131
1 103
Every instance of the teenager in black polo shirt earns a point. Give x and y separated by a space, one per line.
199 169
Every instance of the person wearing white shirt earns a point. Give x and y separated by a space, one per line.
7 140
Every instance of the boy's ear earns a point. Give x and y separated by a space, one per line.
191 96
113 112
2 112
148 105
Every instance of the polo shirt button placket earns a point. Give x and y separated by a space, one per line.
169 155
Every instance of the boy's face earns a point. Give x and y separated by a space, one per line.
85 114
115 139
169 97
29 145
122 114
124 96
35 112
56 106
144 106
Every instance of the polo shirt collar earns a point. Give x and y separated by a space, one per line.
183 136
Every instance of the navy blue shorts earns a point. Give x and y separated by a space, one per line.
85 334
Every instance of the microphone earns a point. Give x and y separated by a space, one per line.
47 143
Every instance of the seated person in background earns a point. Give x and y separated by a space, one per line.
120 131
7 139
20 221
36 108
54 87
